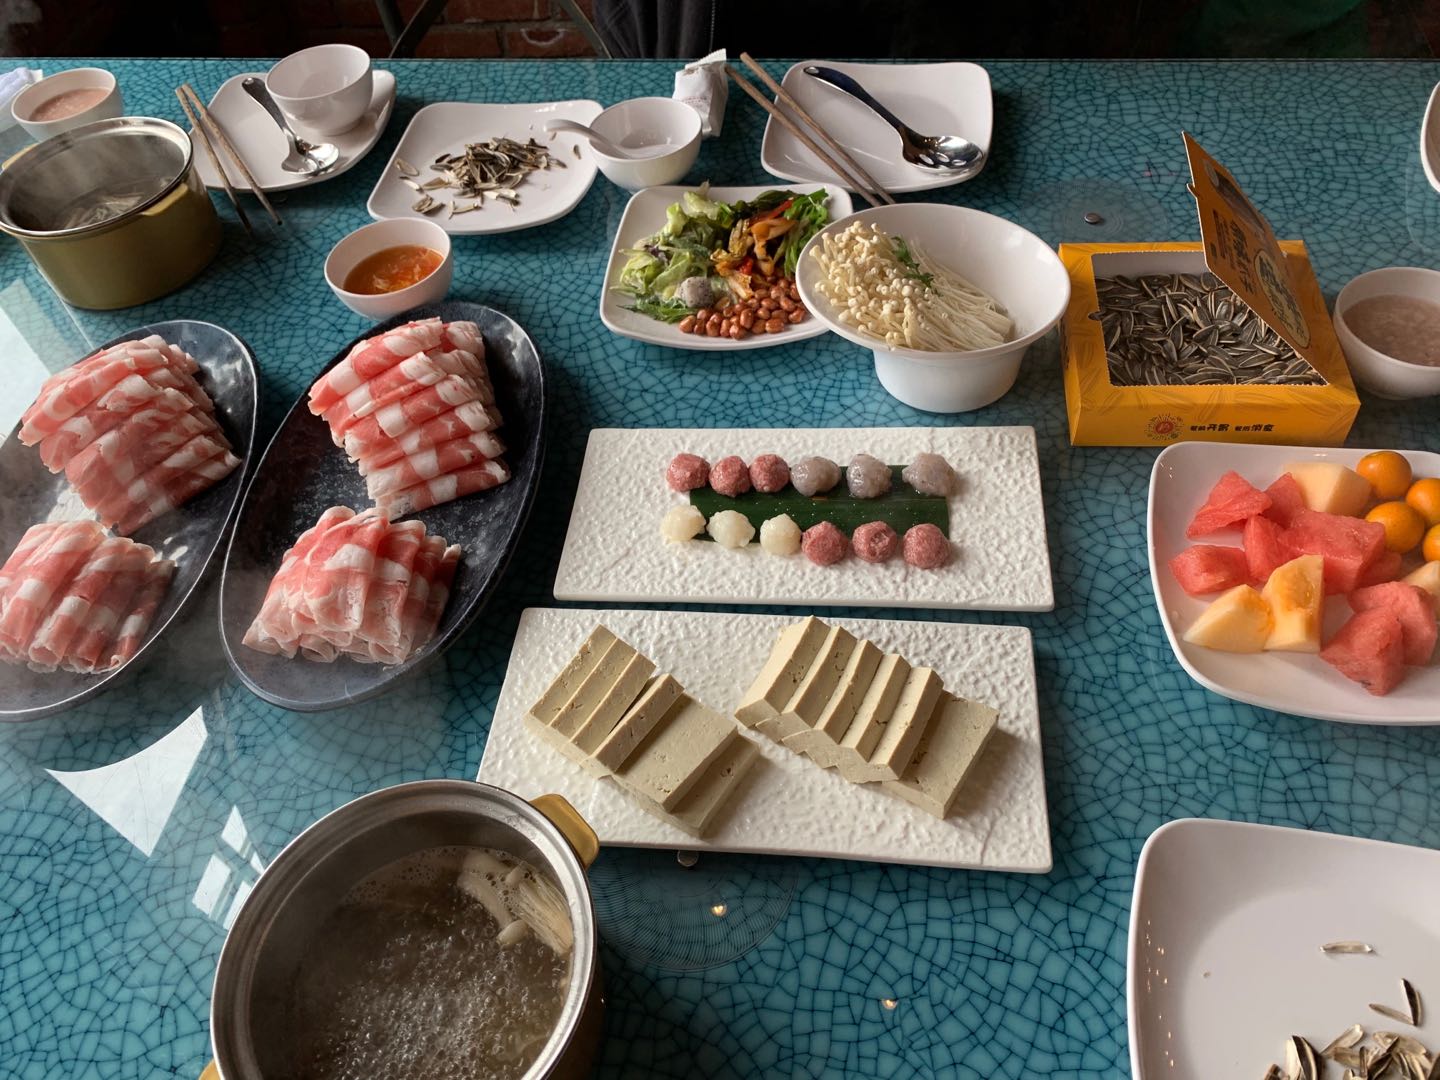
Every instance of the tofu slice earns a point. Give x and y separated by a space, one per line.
673 758
815 689
952 744
698 810
581 664
875 708
839 711
614 749
608 690
791 657
901 732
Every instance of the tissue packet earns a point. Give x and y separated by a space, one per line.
702 85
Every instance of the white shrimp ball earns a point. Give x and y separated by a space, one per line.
731 529
682 523
780 535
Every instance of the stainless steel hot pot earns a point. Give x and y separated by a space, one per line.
306 881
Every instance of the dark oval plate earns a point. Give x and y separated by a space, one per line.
303 473
191 534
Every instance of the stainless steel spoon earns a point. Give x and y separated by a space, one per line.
953 153
309 159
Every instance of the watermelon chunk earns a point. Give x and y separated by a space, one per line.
1350 546
1287 499
1265 548
1369 649
1210 568
1385 568
1412 607
1231 501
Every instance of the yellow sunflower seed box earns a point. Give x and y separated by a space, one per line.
1273 277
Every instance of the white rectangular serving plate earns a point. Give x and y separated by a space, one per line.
788 805
1225 933
446 127
644 216
934 99
1298 683
614 550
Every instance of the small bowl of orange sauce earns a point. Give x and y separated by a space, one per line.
388 267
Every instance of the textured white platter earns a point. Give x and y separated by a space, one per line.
1225 935
614 550
645 216
788 805
445 128
262 144
1287 682
934 99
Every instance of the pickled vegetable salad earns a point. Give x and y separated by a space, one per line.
711 253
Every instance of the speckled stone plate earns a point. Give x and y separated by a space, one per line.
303 473
191 534
788 805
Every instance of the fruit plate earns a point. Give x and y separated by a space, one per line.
1226 927
1297 683
787 805
614 550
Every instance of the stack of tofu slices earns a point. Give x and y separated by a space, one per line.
867 714
609 712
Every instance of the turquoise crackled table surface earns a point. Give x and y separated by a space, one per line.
131 828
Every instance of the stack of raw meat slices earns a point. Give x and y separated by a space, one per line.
73 596
415 410
134 432
359 586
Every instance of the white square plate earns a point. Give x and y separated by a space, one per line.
614 550
645 216
934 99
1225 935
1287 682
446 127
788 805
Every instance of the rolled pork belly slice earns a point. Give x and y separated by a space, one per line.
470 417
41 580
427 464
130 634
371 357
106 413
443 489
68 614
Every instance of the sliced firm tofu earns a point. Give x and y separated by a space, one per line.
900 732
688 739
606 692
815 689
791 657
875 708
702 805
952 744
655 700
840 710
563 688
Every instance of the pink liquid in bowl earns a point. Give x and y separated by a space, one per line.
67 103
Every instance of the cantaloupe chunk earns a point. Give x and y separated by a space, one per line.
1331 488
1296 595
1427 578
1236 621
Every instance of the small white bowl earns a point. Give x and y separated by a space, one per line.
377 236
325 89
1014 266
25 103
670 127
1385 376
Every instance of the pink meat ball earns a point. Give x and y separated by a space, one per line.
926 547
729 476
769 473
687 472
875 542
824 544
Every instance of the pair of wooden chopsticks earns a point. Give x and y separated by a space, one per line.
850 171
210 132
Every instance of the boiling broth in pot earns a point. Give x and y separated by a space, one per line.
449 964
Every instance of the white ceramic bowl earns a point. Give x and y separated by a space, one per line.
1016 267
325 89
377 236
1384 375
30 99
670 127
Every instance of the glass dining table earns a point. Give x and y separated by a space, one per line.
133 826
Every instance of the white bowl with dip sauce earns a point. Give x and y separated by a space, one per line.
1388 323
389 236
324 89
66 100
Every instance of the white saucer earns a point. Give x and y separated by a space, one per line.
261 144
